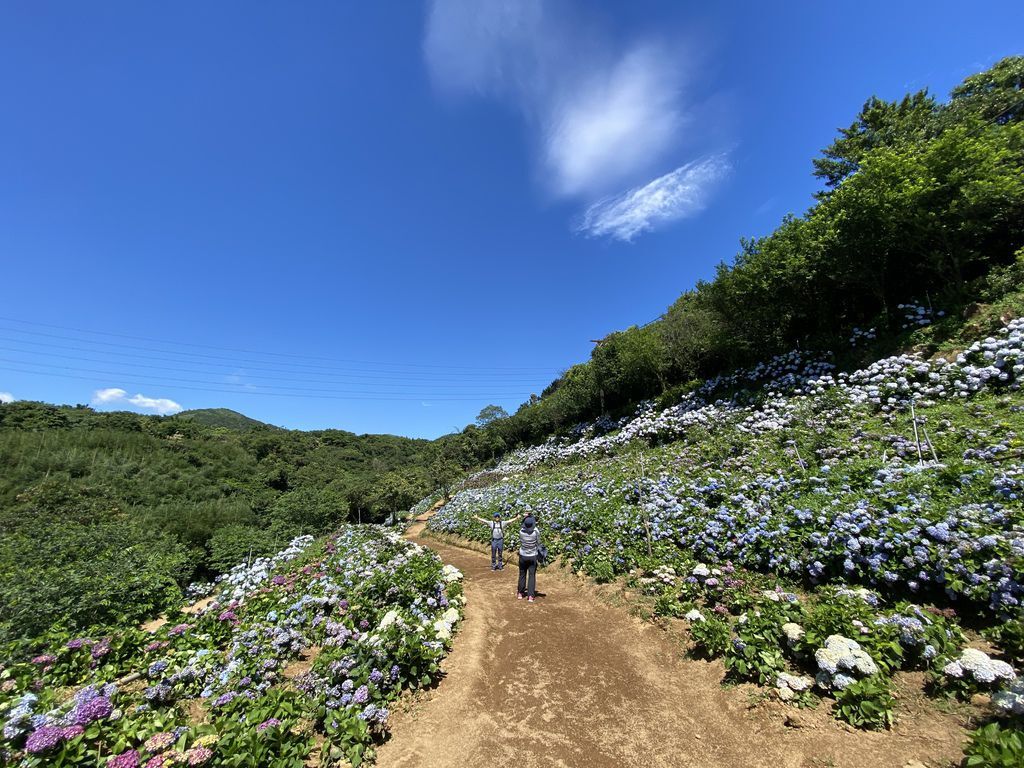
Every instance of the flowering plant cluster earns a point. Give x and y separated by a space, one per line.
307 647
869 494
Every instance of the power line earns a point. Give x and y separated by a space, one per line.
120 375
405 380
430 398
271 354
187 355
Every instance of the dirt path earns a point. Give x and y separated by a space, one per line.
573 681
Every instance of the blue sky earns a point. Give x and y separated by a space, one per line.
382 216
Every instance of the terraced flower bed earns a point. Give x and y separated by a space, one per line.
819 531
293 660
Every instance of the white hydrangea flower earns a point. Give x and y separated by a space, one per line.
694 615
842 653
980 667
450 573
442 630
793 682
1010 699
794 632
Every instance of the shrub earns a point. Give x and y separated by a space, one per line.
995 746
710 637
867 703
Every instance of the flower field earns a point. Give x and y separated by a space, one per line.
293 660
819 531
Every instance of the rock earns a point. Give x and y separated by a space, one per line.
797 720
982 700
915 764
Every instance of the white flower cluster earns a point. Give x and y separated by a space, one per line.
694 615
979 666
888 384
443 626
450 573
789 686
999 359
794 633
839 661
663 575
917 316
859 335
243 579
861 593
1010 700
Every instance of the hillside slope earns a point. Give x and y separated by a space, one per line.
822 533
223 417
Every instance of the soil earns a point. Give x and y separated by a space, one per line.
301 665
574 680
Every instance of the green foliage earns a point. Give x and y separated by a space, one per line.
235 544
756 653
711 637
996 745
1009 636
223 417
105 516
867 703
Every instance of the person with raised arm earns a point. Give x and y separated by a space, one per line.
531 552
497 538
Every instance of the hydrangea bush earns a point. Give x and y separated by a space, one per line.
297 657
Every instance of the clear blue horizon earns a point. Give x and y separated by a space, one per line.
341 216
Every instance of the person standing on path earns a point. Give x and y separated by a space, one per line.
529 554
497 538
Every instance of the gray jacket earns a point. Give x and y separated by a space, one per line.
529 542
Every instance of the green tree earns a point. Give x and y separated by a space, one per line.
489 414
393 494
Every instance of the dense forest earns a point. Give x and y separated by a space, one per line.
106 516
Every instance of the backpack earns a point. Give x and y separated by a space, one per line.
542 554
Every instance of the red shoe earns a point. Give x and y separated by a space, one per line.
519 596
529 599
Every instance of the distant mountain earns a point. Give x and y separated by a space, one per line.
223 417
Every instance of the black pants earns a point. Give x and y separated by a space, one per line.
528 566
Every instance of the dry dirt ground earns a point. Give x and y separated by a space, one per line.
573 680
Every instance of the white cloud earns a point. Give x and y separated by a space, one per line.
615 125
606 116
115 396
6 397
676 195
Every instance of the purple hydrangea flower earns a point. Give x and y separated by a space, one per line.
129 759
44 739
273 722
92 710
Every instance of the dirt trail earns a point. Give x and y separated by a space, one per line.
573 681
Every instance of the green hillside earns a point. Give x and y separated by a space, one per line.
104 517
223 417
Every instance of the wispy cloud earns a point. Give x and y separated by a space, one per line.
6 397
606 116
676 195
614 125
115 396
